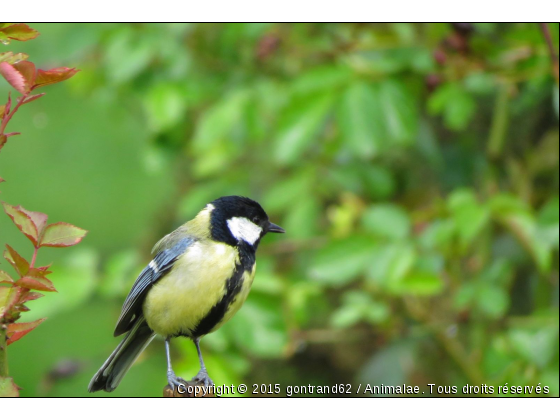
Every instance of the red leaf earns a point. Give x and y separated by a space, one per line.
36 283
20 32
30 296
27 70
9 296
5 277
19 263
30 223
48 77
62 234
8 388
33 98
14 78
18 330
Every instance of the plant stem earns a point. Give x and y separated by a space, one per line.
11 114
34 257
3 351
553 56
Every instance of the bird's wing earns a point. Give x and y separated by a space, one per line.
155 270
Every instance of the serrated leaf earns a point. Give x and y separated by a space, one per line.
36 283
19 32
8 388
56 75
14 78
30 223
62 234
18 330
27 70
19 263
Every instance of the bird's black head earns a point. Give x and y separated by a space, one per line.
237 219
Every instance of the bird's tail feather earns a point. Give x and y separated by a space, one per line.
113 370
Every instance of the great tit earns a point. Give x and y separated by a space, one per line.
199 278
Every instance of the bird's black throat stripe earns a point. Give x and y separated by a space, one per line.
233 287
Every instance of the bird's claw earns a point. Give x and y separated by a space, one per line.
173 380
202 376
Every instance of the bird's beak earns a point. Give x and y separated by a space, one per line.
275 228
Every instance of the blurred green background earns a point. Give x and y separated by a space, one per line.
413 166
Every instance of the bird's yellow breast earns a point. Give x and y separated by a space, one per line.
182 298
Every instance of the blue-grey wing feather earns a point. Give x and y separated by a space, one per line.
155 270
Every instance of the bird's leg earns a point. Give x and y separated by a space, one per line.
172 379
202 375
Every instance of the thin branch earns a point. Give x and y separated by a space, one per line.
553 55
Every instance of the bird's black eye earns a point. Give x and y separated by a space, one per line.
256 220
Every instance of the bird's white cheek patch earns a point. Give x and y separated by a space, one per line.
243 229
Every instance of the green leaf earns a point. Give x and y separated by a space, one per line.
5 277
341 261
19 32
62 235
492 300
259 327
8 298
216 137
346 316
455 103
299 126
536 347
379 182
320 79
390 264
75 278
10 57
420 284
360 120
387 221
399 110
127 55
165 105
470 217
8 388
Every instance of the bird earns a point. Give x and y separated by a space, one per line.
199 277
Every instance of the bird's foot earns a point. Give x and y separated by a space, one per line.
173 380
202 376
